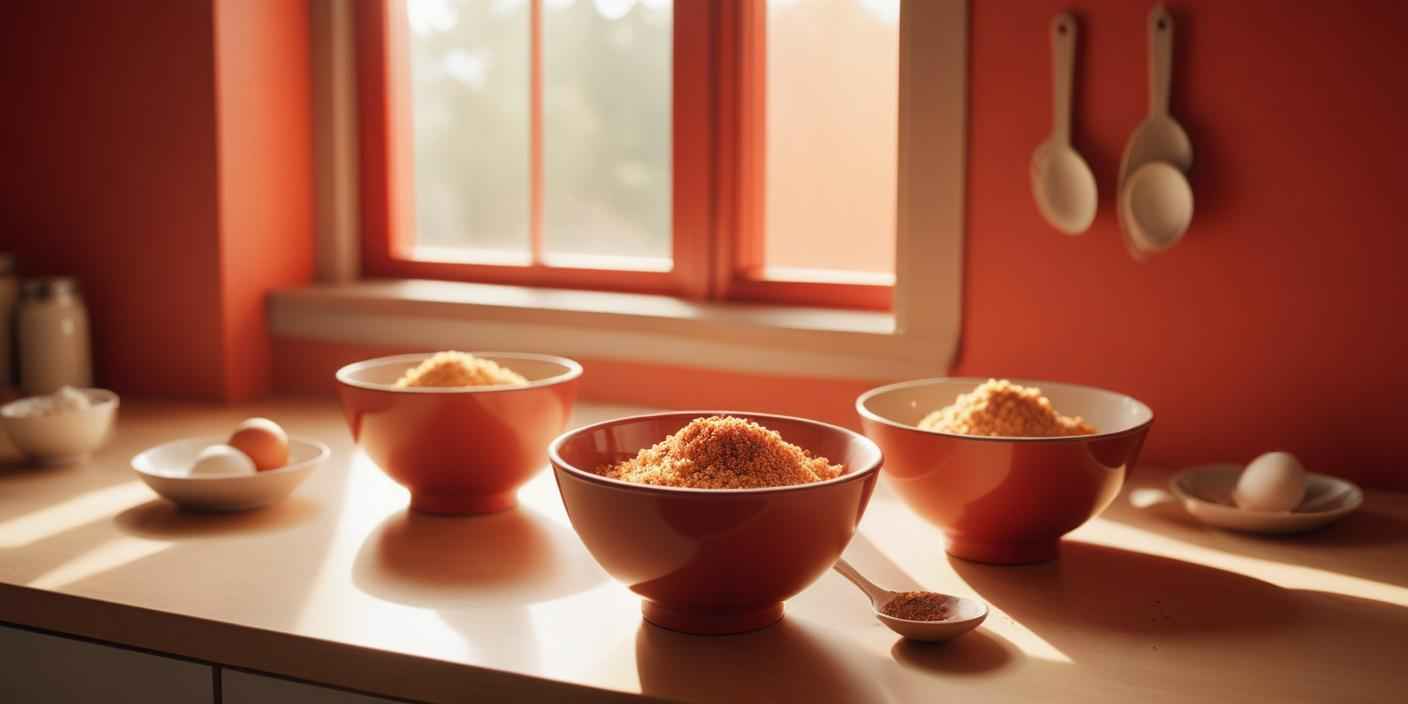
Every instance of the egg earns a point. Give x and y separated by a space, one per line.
264 441
221 461
1274 481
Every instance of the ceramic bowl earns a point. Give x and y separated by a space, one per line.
63 438
165 469
712 561
459 450
1206 493
1004 500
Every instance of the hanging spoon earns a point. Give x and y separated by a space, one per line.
963 614
1061 180
1155 201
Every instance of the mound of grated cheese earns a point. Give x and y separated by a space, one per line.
458 369
723 452
1002 408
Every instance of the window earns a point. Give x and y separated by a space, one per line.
730 150
679 314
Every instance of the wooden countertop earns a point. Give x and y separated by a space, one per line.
339 585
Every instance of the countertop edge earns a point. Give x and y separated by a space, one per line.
316 661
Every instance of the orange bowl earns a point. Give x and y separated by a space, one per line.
1004 500
712 561
459 450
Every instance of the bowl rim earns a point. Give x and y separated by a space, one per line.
323 453
867 414
555 459
103 398
344 374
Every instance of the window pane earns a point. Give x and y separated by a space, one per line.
470 102
606 128
832 106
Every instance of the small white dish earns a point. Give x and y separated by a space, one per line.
165 469
63 438
1206 493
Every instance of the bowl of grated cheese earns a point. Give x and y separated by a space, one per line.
461 431
714 518
995 464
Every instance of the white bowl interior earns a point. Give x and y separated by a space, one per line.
163 468
174 459
385 371
908 402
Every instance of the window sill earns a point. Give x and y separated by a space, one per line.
767 339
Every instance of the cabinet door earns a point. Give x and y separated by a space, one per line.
46 669
245 688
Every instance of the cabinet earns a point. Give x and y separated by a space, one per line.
245 688
45 669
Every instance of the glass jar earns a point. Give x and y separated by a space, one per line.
52 326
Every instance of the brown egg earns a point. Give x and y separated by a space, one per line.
264 441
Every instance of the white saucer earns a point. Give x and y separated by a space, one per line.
164 468
1206 493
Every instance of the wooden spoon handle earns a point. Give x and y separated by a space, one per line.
1063 59
1160 59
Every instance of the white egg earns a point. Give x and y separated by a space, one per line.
1274 481
221 461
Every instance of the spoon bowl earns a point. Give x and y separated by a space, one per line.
966 614
1065 188
963 614
1156 206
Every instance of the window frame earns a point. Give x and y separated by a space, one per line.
354 304
717 228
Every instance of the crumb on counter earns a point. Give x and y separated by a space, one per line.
723 452
1002 408
459 369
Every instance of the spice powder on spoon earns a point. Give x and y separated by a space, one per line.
917 606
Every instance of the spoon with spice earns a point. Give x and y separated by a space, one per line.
923 616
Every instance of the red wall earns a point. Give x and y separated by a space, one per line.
108 139
1275 324
263 92
168 166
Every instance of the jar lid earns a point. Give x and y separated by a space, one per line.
49 287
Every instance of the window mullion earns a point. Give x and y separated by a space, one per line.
535 120
694 155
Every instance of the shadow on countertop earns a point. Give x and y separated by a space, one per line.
1368 543
1123 612
163 520
1100 588
512 558
974 653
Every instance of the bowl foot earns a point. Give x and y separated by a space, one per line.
463 504
1004 553
711 621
